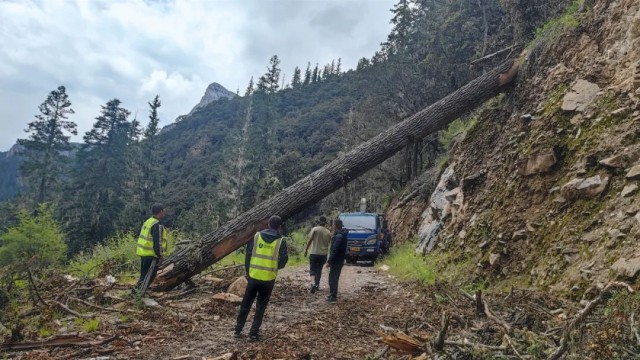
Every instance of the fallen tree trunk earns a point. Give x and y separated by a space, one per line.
192 259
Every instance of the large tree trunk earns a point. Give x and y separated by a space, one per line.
190 260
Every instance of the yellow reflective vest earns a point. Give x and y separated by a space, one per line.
264 259
145 239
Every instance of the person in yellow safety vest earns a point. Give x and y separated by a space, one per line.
152 243
265 255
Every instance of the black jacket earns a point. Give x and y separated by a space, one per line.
268 235
338 250
155 234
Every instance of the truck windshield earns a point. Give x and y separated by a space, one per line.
362 223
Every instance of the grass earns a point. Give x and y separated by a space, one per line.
409 266
116 256
88 325
551 31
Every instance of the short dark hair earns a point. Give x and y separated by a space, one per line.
274 222
156 208
322 220
337 223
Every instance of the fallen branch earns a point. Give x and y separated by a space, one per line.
438 343
475 345
72 312
557 354
503 324
56 341
506 337
93 305
35 288
494 54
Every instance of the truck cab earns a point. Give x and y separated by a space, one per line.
368 236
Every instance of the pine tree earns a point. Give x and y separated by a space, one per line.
307 75
102 178
44 148
315 76
402 22
268 82
339 67
296 81
150 158
250 89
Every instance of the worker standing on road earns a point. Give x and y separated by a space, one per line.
336 258
318 240
265 255
152 243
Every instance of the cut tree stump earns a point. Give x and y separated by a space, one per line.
200 254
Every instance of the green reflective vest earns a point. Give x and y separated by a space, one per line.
145 240
264 259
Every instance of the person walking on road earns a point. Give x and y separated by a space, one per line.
336 259
265 255
152 243
318 241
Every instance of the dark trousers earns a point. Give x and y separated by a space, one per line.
261 290
145 265
316 262
334 277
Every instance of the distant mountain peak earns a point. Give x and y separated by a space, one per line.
213 93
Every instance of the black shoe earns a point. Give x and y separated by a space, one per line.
237 335
254 337
331 299
314 288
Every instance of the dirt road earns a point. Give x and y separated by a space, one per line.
297 324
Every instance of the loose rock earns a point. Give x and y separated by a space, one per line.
634 173
627 268
629 190
238 286
519 235
538 163
582 94
584 188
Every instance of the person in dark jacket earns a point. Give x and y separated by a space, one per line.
337 255
265 255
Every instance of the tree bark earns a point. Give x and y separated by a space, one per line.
200 254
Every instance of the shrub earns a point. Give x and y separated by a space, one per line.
35 243
409 266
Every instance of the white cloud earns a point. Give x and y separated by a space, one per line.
135 49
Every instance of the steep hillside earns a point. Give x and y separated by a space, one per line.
543 190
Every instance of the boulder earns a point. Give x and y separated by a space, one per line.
629 190
634 173
582 94
238 286
538 163
584 188
627 268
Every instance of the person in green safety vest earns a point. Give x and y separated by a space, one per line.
152 244
265 255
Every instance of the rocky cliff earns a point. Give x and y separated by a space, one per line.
543 190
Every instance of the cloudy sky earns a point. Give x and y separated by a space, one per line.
135 49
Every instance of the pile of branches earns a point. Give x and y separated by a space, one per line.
525 329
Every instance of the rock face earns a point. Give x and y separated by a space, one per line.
582 94
580 188
441 205
213 93
538 163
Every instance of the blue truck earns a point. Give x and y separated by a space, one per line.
368 236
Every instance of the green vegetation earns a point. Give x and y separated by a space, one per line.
456 131
88 325
409 266
549 33
34 244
